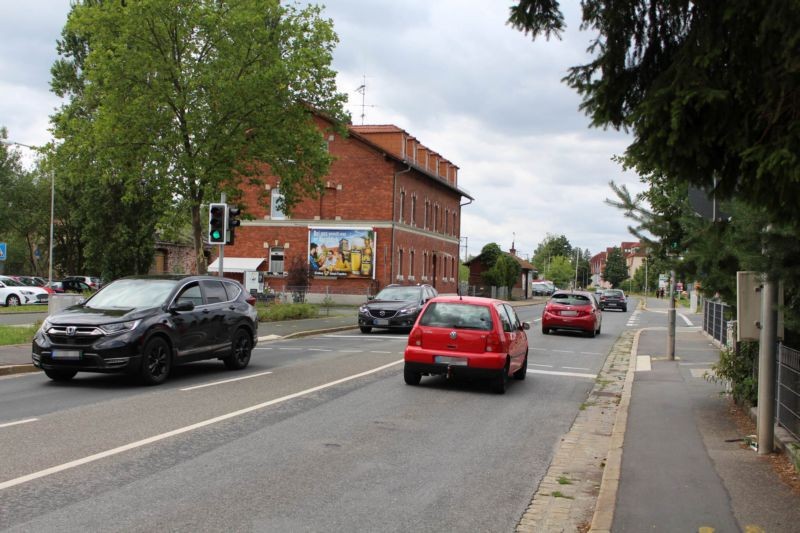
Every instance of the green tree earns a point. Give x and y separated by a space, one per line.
561 271
706 89
507 271
552 246
489 254
615 271
178 101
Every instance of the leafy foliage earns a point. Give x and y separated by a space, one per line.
172 102
616 271
561 271
737 368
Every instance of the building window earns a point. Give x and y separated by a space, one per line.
400 263
425 222
276 213
454 223
446 221
276 263
424 266
413 209
411 265
435 217
402 205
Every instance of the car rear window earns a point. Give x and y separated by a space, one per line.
613 293
571 299
454 315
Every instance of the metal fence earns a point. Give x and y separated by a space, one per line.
787 390
715 320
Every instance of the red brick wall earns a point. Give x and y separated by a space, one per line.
358 193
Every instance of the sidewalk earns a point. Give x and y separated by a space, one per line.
656 449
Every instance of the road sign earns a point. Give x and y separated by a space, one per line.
2 251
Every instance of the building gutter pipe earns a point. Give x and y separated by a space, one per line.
394 215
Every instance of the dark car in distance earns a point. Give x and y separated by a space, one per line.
145 325
613 298
394 307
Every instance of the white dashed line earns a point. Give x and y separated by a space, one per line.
225 381
319 350
545 366
575 368
555 373
376 351
18 422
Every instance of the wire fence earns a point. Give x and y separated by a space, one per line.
787 412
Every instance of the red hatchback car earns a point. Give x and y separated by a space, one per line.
467 336
572 310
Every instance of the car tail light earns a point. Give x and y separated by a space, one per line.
494 343
251 300
415 337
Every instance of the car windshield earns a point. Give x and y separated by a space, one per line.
11 282
455 315
133 293
400 294
571 299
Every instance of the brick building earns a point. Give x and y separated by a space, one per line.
390 213
634 259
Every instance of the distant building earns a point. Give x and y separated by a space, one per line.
634 258
521 289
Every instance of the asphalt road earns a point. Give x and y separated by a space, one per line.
321 435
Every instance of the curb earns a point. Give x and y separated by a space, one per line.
7 370
309 333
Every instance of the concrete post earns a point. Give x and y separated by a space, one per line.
671 318
766 367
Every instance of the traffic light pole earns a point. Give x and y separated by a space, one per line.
671 318
222 246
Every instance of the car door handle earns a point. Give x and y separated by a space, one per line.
206 311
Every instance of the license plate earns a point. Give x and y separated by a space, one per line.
381 321
569 313
452 361
66 354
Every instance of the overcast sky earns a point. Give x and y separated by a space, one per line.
451 73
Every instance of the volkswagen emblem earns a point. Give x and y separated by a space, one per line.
71 331
453 335
382 313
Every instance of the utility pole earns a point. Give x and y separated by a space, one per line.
671 318
577 251
766 367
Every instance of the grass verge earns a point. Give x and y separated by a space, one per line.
40 308
17 334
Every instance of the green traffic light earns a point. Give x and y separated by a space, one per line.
216 235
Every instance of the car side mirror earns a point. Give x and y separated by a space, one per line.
526 325
181 307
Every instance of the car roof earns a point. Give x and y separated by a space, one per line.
471 300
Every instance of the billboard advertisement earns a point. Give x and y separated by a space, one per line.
341 252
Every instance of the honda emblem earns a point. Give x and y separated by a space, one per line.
71 331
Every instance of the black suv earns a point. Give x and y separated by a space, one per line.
146 324
395 307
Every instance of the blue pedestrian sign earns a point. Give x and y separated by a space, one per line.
2 251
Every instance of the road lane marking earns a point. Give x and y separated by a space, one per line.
225 381
18 422
376 351
575 367
319 350
546 366
562 351
291 349
685 319
555 373
368 337
643 363
591 353
156 438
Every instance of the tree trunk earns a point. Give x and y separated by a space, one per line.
197 234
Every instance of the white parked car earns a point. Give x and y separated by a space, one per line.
13 293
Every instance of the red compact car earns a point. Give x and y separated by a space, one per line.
574 311
467 336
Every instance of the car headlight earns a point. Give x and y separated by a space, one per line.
45 326
26 293
363 309
119 327
406 310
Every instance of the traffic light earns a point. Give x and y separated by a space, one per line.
217 223
233 222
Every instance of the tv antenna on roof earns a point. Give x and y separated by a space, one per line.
362 90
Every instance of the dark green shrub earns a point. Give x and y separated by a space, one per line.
739 368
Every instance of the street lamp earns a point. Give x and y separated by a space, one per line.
52 206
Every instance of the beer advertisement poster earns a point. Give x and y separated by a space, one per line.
341 252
